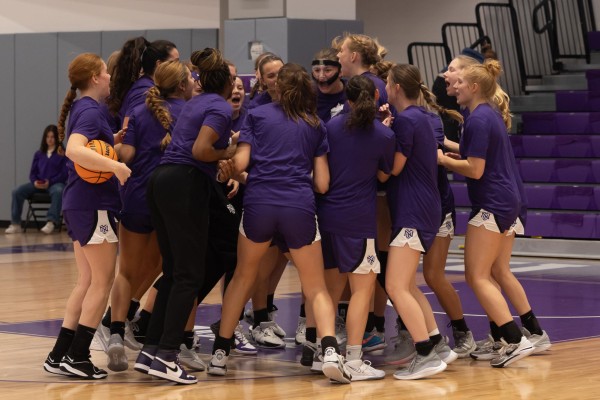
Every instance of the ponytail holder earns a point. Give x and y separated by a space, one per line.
73 89
422 85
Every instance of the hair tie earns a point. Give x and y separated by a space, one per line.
73 89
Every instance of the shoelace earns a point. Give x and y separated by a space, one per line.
239 335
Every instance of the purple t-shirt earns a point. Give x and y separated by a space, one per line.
446 195
330 105
237 123
413 196
145 133
86 118
206 109
135 96
484 136
52 168
281 158
379 85
355 156
260 99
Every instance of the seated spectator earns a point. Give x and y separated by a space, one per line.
48 175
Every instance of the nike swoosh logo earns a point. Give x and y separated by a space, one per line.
176 369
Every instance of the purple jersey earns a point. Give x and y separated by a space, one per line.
86 119
113 120
446 195
355 156
379 85
413 196
330 105
281 158
484 136
237 123
145 133
51 168
260 99
135 96
206 109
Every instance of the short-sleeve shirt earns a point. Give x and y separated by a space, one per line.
145 134
330 104
446 195
355 155
86 118
260 99
413 196
484 136
135 96
51 168
206 109
281 158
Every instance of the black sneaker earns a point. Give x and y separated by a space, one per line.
308 354
53 366
82 368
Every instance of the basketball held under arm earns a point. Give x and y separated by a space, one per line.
321 174
79 154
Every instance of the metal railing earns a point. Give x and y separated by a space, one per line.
499 22
430 58
457 36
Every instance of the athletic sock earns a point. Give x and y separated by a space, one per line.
530 322
459 325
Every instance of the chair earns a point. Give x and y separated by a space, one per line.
38 205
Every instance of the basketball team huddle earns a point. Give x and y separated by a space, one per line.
341 170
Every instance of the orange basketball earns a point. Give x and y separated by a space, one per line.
95 177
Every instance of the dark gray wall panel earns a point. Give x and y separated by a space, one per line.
202 38
335 28
36 74
70 45
114 40
7 127
305 38
237 35
181 37
273 32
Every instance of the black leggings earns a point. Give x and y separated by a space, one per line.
179 197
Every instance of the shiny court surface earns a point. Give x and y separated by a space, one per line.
38 272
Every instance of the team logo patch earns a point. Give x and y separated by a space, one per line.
485 216
371 259
231 209
408 233
104 229
448 225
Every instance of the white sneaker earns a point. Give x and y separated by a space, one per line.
190 358
333 367
14 228
218 364
101 338
511 352
278 330
301 331
361 370
242 344
117 359
422 367
445 352
540 342
130 341
340 330
464 344
264 336
48 228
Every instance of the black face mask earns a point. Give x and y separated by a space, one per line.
328 63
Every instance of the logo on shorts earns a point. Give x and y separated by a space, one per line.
104 229
448 225
408 233
485 216
371 259
231 208
514 224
